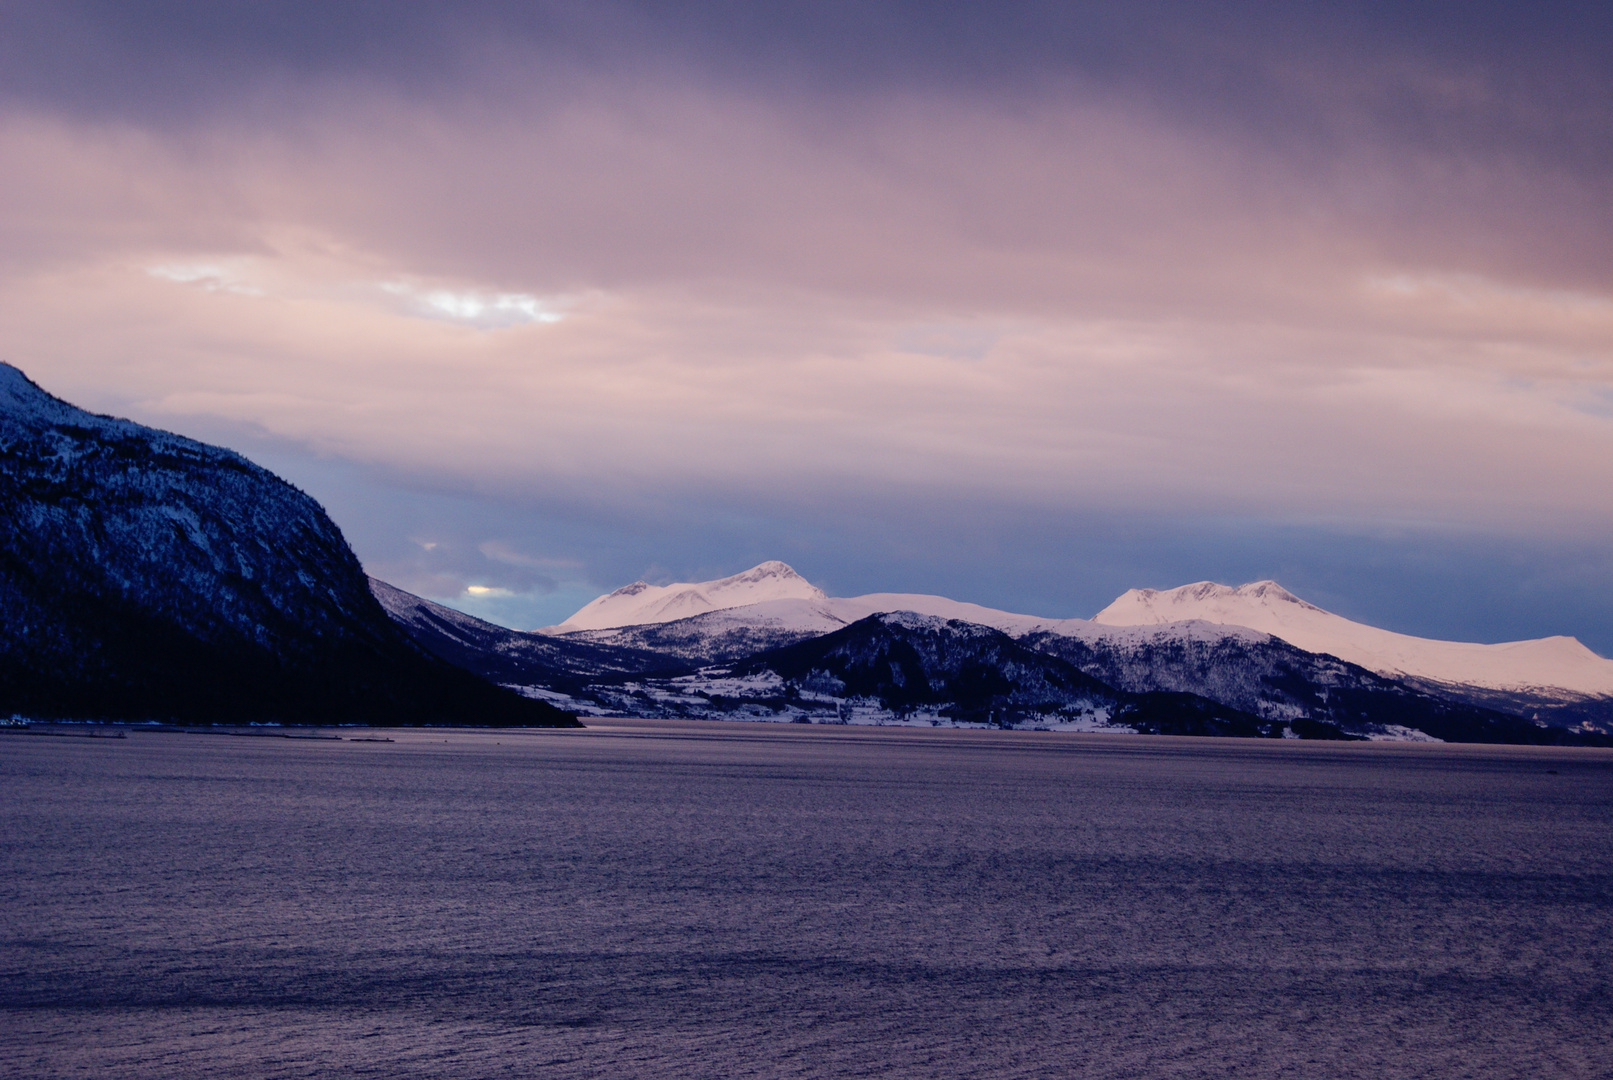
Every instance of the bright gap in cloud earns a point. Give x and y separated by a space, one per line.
1476 292
486 310
516 609
210 276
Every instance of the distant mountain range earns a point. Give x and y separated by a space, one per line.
1554 667
767 644
144 576
148 577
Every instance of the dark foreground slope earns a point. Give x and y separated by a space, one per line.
144 576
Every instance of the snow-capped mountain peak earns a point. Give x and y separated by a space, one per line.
1554 662
1200 600
773 601
641 603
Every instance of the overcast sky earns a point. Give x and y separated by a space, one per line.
1025 304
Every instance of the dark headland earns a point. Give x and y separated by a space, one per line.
148 577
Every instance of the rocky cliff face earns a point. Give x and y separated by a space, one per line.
144 576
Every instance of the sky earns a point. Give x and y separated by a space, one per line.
1022 304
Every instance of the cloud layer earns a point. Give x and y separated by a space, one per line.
1349 275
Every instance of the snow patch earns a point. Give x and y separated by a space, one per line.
1399 733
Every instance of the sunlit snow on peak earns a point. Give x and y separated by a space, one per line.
487 310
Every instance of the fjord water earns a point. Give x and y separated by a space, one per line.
724 900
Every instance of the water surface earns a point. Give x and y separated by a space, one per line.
727 900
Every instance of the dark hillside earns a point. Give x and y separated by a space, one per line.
967 672
1270 678
144 576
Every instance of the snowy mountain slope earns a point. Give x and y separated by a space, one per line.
1267 677
730 633
772 595
1558 665
148 576
902 668
1248 669
1253 673
975 674
940 607
640 603
720 637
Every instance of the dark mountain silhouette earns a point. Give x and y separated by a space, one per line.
145 576
963 671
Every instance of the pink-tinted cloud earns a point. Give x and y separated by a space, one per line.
1064 292
701 289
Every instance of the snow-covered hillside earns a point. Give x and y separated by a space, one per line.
774 596
772 605
1553 663
640 603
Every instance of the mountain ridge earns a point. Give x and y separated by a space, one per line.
1189 619
641 603
147 576
1556 663
1177 678
1559 663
